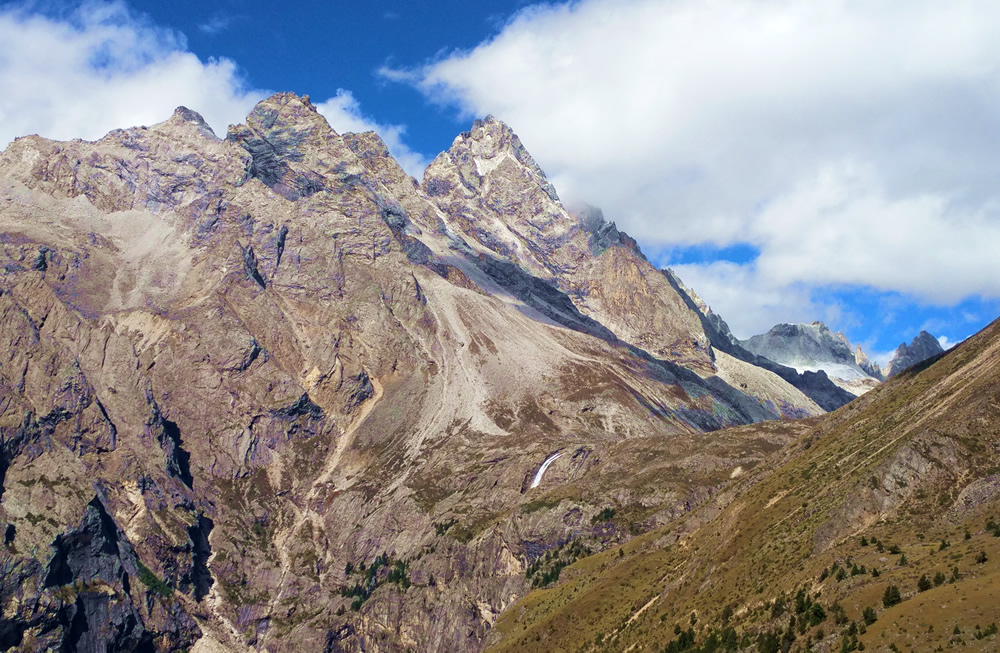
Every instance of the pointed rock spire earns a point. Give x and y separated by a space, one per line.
283 130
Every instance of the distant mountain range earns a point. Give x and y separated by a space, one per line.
813 347
268 392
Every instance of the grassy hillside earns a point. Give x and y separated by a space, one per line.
874 530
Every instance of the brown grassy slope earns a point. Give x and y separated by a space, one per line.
909 465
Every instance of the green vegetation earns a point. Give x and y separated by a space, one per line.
441 528
604 515
153 582
891 596
546 569
361 591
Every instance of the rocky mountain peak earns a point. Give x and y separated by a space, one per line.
868 365
183 115
288 111
813 347
291 145
490 149
922 347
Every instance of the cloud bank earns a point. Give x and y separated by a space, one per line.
103 66
849 142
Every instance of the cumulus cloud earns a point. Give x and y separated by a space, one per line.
103 67
851 143
344 114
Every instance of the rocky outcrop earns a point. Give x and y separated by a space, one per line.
921 348
93 594
502 207
869 366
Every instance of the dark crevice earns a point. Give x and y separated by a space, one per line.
255 352
250 266
112 429
168 435
279 245
201 577
41 262
79 627
58 572
178 460
302 406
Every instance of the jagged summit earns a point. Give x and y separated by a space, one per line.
923 346
814 347
490 145
868 365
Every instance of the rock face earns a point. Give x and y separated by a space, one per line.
870 367
814 348
922 347
268 392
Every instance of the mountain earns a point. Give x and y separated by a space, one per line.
873 528
870 367
922 347
269 392
813 347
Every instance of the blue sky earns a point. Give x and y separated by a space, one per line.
316 48
793 161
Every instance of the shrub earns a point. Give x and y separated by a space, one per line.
153 582
939 579
924 583
869 616
604 515
891 596
816 614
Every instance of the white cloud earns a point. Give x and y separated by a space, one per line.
344 114
947 343
851 142
105 67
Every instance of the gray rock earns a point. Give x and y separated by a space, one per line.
921 348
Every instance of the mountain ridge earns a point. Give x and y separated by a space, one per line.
274 360
306 396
